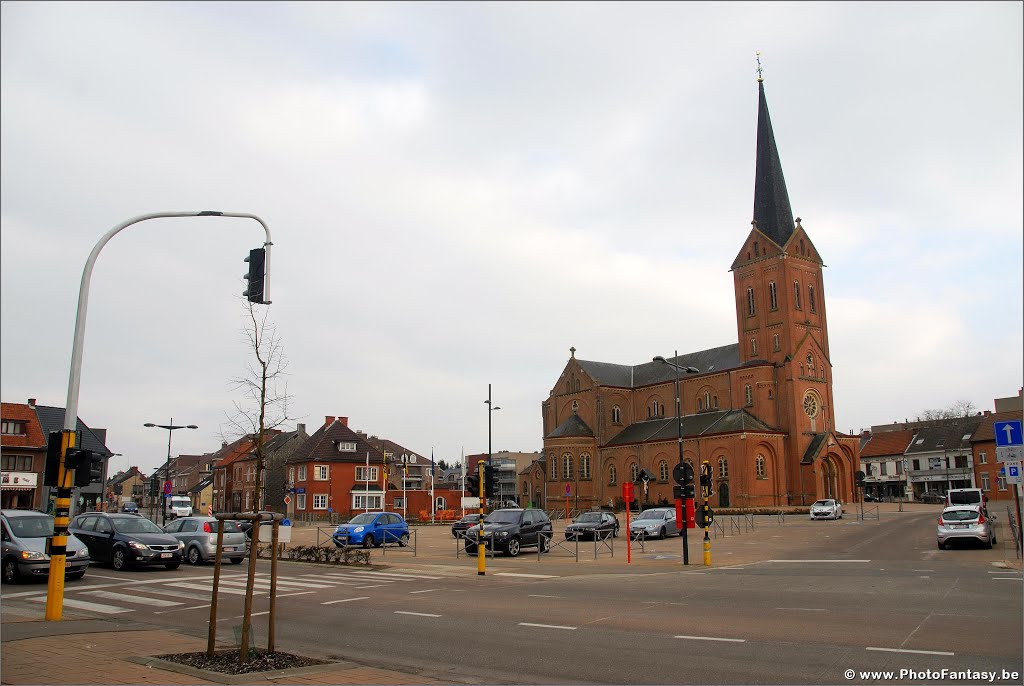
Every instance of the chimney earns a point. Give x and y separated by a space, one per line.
301 428
32 403
328 420
343 420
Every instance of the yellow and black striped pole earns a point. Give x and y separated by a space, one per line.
481 557
58 544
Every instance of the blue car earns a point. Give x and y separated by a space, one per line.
372 529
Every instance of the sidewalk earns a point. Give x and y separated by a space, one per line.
88 651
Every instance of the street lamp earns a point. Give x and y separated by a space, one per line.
167 465
679 429
490 408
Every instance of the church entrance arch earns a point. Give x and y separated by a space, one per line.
829 479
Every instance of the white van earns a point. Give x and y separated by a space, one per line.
967 496
178 506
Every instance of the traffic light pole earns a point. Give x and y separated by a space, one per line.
55 586
481 558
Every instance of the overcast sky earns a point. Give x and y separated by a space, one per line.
460 192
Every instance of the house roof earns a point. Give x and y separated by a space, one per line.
573 426
34 436
887 443
322 446
986 432
949 436
634 376
232 452
205 483
52 419
694 425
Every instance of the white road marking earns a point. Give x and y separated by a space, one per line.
1006 578
415 614
819 560
182 609
904 650
394 575
804 609
178 593
528 576
548 626
126 598
924 570
543 596
713 638
345 600
373 586
288 595
426 590
197 587
94 607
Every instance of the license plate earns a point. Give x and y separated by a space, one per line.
166 554
960 526
67 565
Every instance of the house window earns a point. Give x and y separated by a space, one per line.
613 477
567 466
982 458
759 467
17 463
250 473
346 447
616 415
238 472
585 466
986 483
366 473
291 473
775 342
320 501
634 472
248 500
12 428
320 472
796 294
1001 482
810 299
750 302
399 502
364 501
300 501
884 468
663 471
723 468
748 393
773 295
302 472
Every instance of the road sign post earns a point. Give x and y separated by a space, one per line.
1010 449
627 495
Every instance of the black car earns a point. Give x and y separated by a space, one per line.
593 524
459 527
511 530
126 539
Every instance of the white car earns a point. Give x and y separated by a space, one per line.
827 509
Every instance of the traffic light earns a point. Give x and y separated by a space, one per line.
706 484
490 482
705 516
88 466
256 259
473 484
51 474
154 486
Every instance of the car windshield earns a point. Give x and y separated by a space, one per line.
824 503
31 527
589 518
135 525
652 514
963 515
500 517
471 518
365 518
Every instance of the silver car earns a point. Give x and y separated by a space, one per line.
24 534
657 522
965 522
199 535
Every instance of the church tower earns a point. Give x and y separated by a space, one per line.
780 303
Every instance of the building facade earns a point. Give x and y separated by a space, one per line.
759 411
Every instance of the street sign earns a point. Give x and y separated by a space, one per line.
1013 473
1008 433
167 488
1009 453
287 500
567 490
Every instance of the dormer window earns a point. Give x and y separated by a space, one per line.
345 446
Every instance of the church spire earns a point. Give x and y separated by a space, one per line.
773 215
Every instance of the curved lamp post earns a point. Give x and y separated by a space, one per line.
167 465
679 429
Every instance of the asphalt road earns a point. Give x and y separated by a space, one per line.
796 603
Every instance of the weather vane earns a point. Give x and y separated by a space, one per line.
759 66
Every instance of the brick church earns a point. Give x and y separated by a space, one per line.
759 410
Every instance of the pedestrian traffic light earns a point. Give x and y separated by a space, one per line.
88 466
255 276
490 482
706 484
51 474
473 484
705 516
154 486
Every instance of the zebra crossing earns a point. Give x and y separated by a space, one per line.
185 593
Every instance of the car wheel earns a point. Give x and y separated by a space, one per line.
194 557
513 547
990 543
661 534
237 560
543 545
10 571
368 541
942 546
118 559
173 565
403 540
994 541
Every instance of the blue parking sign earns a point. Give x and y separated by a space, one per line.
1008 433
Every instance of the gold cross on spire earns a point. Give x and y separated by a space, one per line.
759 78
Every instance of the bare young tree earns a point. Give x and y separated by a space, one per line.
263 388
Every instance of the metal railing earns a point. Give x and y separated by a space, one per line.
1012 519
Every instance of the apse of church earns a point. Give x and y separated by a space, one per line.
759 410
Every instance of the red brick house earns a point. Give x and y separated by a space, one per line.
24 457
983 452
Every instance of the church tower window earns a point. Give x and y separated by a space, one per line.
759 467
554 467
796 294
753 346
748 393
750 302
723 468
810 299
773 295
775 342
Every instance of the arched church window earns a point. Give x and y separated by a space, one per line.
759 467
585 466
663 471
753 346
634 471
613 477
810 299
775 342
723 468
810 364
567 467
554 467
748 393
707 399
750 302
796 294
773 295
616 415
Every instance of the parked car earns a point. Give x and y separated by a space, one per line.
460 526
827 508
372 529
24 534
965 522
130 508
933 498
593 524
510 530
657 522
869 498
199 534
126 539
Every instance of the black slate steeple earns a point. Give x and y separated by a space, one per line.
773 215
